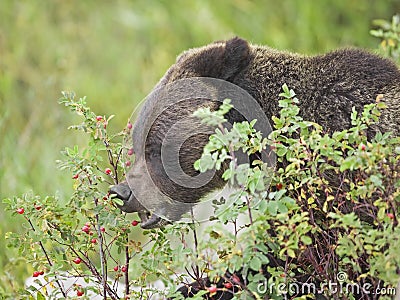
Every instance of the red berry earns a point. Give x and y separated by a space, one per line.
128 163
130 151
363 147
86 228
107 171
235 279
77 260
134 223
93 241
41 272
102 229
390 215
20 210
79 293
279 186
90 232
36 274
228 285
116 268
124 269
129 125
212 289
99 118
105 197
75 176
38 207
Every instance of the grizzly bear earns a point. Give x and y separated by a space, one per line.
328 86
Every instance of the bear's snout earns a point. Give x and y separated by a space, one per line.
131 204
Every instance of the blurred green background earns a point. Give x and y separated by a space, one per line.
115 52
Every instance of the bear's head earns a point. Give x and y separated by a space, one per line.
162 183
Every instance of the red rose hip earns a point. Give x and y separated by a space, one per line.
86 229
36 274
77 260
228 285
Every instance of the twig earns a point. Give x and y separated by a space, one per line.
103 261
48 260
196 243
127 258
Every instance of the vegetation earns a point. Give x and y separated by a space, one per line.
84 236
105 49
331 215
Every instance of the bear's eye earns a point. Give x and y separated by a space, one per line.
153 154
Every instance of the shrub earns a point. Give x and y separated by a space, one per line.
389 33
82 237
330 216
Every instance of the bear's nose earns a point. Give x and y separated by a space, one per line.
122 191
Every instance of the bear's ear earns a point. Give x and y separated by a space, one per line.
236 57
222 59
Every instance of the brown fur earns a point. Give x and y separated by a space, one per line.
328 87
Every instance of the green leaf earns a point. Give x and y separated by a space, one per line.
206 163
281 151
255 263
290 252
272 208
40 296
376 180
306 240
118 201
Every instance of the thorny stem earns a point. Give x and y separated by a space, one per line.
114 164
48 260
196 243
127 258
103 261
94 271
249 210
